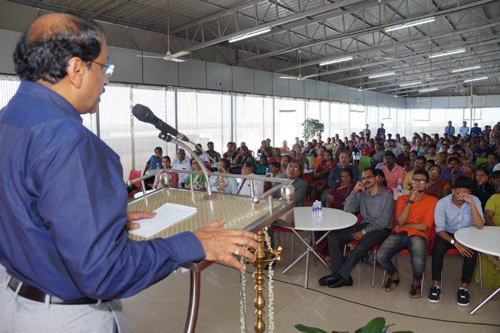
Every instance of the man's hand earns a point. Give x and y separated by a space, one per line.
220 244
413 195
359 187
396 227
133 216
358 235
464 250
467 198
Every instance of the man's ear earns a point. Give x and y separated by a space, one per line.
76 70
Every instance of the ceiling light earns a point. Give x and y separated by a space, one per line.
437 55
381 75
477 79
465 69
250 34
428 90
288 77
335 61
410 84
410 24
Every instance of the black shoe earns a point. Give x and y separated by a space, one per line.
434 294
463 297
342 282
329 279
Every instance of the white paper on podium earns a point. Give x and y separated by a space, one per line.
166 215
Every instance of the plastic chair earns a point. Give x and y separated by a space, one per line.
310 159
287 230
480 160
133 175
364 162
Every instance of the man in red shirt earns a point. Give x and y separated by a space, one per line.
412 230
393 172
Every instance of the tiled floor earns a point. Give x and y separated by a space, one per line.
163 307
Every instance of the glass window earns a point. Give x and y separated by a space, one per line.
253 117
289 115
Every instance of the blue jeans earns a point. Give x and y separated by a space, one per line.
416 245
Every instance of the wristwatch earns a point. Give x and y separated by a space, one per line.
452 241
409 201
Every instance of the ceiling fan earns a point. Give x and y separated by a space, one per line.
381 56
169 56
299 77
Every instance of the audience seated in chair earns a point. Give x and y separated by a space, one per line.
182 163
173 175
414 222
456 211
249 168
231 186
376 207
154 162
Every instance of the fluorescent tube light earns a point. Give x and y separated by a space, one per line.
334 61
381 75
447 53
428 90
410 84
465 69
250 34
476 79
410 24
288 77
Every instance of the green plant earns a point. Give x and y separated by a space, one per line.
376 325
312 127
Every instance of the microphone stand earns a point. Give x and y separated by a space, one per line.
169 138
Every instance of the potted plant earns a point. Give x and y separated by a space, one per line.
376 325
312 127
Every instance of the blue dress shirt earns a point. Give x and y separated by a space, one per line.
450 218
475 131
64 203
449 130
155 163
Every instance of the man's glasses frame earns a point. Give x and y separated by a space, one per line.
106 69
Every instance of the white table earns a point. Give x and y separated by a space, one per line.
332 219
395 190
487 241
306 171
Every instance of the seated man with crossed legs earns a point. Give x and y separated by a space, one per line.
375 205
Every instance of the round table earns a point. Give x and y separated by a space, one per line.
396 196
332 219
485 240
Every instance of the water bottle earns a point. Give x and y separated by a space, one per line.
197 186
399 190
353 155
320 210
314 211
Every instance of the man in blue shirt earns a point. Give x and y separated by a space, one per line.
449 129
475 131
63 237
454 212
344 159
154 161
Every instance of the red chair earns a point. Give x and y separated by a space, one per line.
287 230
134 174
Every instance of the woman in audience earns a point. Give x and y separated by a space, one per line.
369 149
481 187
382 182
319 178
310 151
285 160
492 161
339 192
199 181
304 162
262 166
320 158
243 157
482 149
442 159
165 162
436 187
276 156
378 154
351 148
491 273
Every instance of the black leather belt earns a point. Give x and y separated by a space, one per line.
35 294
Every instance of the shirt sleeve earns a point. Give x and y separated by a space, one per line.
331 179
479 207
400 205
88 229
352 203
300 194
491 204
440 215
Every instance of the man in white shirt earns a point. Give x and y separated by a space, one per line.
249 168
201 154
182 163
464 130
231 185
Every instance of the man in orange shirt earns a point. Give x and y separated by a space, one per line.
414 223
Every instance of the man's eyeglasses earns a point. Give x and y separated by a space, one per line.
106 69
416 181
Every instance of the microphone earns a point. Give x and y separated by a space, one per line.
144 114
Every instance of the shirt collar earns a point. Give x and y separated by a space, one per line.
44 93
